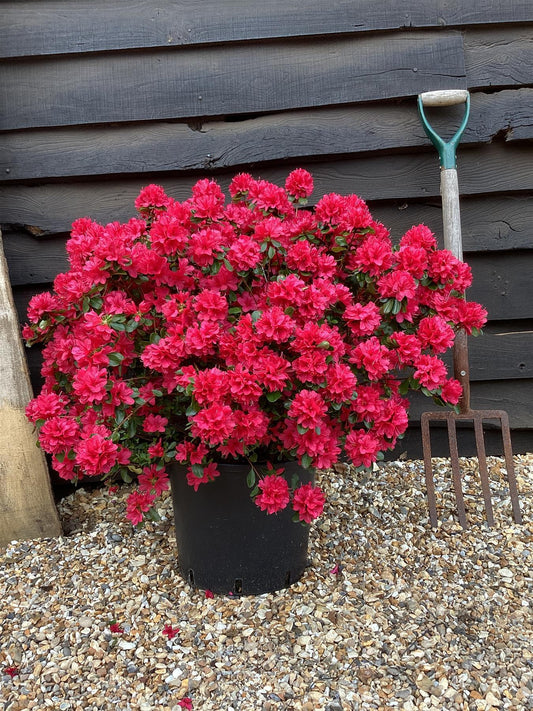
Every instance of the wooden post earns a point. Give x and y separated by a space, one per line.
27 508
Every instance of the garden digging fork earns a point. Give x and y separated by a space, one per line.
453 242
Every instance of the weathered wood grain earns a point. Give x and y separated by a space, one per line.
27 507
499 57
500 354
226 79
490 223
317 133
55 26
34 261
503 285
514 396
52 207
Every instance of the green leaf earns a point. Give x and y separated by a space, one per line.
256 315
192 409
388 305
117 323
271 252
306 461
396 306
272 397
197 470
404 386
125 476
132 429
250 479
97 302
302 430
152 515
131 325
115 358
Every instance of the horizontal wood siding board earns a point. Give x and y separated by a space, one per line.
503 284
189 82
54 27
34 261
499 57
52 207
490 223
513 396
163 146
498 354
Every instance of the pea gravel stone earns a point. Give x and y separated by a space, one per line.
391 614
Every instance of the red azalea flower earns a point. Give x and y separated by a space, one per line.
274 494
430 372
308 502
138 504
209 594
115 628
11 671
170 631
155 423
209 473
362 447
451 391
308 408
153 480
185 703
299 183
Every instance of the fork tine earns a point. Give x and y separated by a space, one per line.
456 471
483 469
428 469
509 465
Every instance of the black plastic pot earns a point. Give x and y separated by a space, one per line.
226 544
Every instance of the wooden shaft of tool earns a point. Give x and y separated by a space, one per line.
451 214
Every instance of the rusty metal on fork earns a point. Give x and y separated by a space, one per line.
465 413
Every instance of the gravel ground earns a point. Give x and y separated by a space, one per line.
391 614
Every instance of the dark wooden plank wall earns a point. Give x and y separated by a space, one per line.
100 97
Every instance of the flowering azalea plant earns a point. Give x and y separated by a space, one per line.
254 329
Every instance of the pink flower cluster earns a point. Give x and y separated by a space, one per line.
204 330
